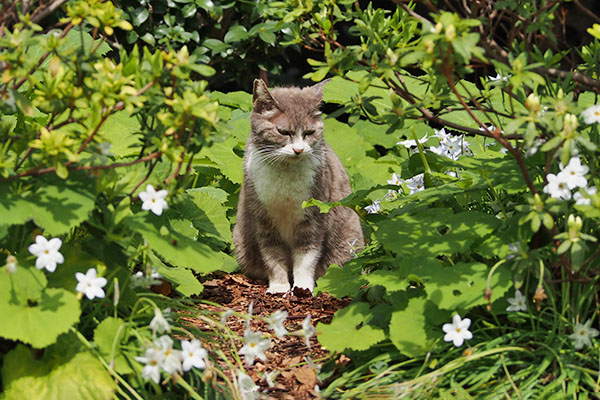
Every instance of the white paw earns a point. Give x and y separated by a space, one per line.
278 288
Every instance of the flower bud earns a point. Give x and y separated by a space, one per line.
11 264
450 33
532 103
438 28
429 46
570 124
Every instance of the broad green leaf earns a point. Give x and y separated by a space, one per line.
391 280
121 130
345 142
178 249
434 232
108 336
63 371
241 100
56 206
32 313
457 287
206 213
230 164
182 279
341 281
349 330
408 329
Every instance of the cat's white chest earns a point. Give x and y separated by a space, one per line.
282 188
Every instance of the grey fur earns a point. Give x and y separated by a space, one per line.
274 233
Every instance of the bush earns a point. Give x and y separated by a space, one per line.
470 137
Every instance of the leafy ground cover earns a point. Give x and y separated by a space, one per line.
470 136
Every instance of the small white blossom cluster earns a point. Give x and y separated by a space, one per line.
162 356
570 177
449 146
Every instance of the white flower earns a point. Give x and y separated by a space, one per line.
573 173
557 187
254 346
276 322
416 183
583 334
248 390
374 208
395 180
226 315
249 316
457 331
582 199
153 200
153 358
139 279
412 143
439 150
172 358
353 248
499 77
193 354
159 323
591 115
11 264
47 253
518 303
268 377
309 330
89 284
442 135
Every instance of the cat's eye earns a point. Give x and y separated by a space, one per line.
285 132
308 132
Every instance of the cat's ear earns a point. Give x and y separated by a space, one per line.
262 99
318 88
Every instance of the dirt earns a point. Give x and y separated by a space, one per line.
297 378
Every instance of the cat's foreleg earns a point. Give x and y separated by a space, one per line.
305 262
275 259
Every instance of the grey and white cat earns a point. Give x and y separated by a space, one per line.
287 162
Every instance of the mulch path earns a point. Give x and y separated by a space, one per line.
297 379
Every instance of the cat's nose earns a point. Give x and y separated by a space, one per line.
298 151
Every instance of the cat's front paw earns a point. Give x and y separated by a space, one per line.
278 288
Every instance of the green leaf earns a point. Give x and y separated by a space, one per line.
56 206
32 313
230 164
341 282
408 329
108 336
207 214
121 130
182 279
241 100
349 330
178 249
63 371
236 33
434 232
457 287
140 15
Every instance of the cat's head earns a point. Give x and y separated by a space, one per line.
286 122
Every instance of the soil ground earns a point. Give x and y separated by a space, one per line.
297 379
